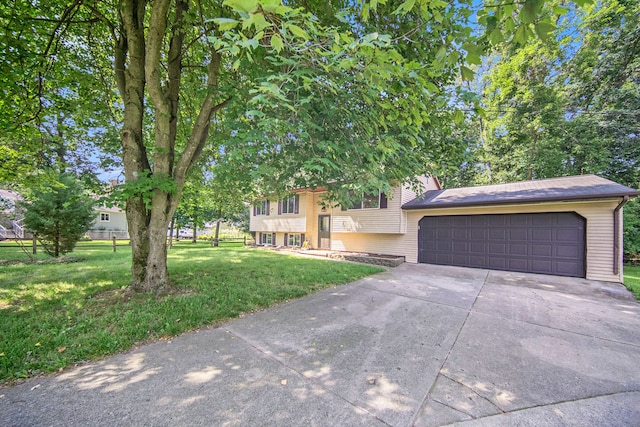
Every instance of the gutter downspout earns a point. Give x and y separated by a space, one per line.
616 235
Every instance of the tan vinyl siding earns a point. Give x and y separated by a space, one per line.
379 220
387 244
295 223
427 184
599 216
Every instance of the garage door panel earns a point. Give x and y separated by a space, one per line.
518 264
477 221
549 243
564 251
541 266
518 234
477 247
568 235
443 246
566 268
443 233
542 250
518 249
459 221
497 221
460 247
496 263
497 234
444 259
515 221
541 235
460 234
476 261
445 222
478 234
458 259
543 221
497 248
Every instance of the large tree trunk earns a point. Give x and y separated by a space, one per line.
139 64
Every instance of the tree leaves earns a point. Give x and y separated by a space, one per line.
242 6
277 43
297 31
226 24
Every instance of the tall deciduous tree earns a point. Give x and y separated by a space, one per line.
567 105
295 93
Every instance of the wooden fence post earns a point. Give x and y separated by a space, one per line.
34 243
114 243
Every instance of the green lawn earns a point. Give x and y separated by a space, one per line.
55 314
632 279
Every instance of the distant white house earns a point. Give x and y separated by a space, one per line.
110 222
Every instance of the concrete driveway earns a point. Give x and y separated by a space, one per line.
418 345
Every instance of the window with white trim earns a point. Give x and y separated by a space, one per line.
105 217
367 201
289 205
266 238
261 208
294 240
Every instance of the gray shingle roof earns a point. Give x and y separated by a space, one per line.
581 187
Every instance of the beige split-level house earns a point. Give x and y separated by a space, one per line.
570 226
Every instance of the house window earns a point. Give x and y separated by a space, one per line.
289 205
294 240
104 217
266 238
261 208
369 201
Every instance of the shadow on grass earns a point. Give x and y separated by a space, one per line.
53 315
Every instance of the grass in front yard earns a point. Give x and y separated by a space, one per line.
55 314
632 279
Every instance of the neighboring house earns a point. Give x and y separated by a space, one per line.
569 226
11 216
110 222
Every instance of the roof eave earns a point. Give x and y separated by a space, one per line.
521 202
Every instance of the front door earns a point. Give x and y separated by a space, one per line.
324 231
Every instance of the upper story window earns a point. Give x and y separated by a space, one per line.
370 201
289 205
261 208
105 217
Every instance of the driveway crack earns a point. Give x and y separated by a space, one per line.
580 399
486 399
446 358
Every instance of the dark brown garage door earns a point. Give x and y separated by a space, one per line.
547 243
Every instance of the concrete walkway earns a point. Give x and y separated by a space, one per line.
417 345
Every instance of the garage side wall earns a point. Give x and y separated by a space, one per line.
599 216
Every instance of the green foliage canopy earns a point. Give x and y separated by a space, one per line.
288 94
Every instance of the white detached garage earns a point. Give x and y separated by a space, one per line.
569 226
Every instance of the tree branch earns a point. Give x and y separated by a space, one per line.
155 38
